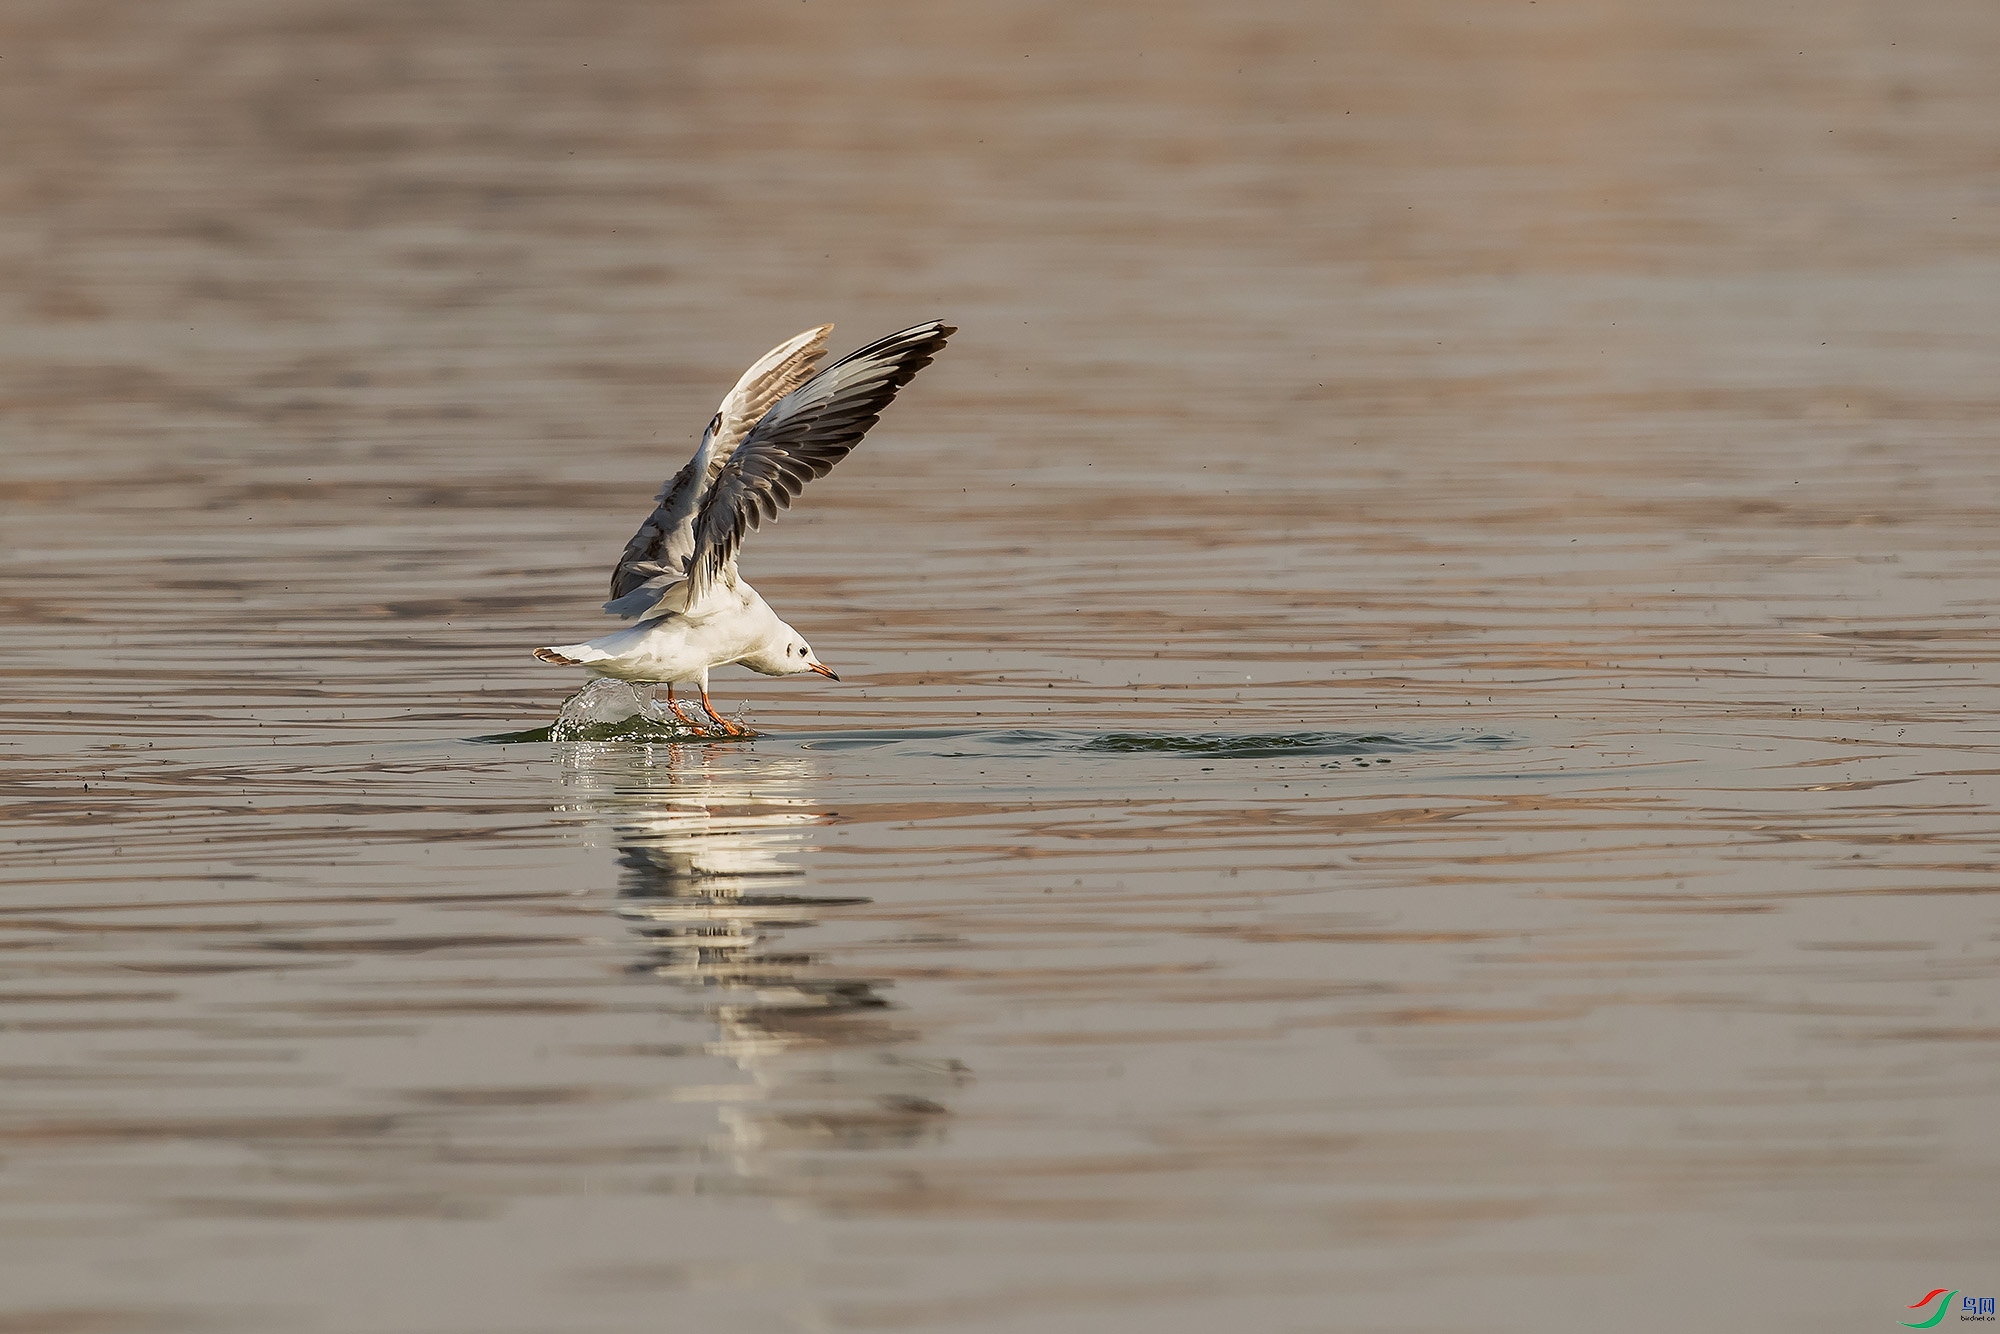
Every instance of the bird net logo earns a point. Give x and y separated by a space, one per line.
1968 1308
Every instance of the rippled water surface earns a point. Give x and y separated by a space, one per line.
1418 746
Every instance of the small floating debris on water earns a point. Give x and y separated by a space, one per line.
609 710
1358 746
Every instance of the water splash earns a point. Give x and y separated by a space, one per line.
607 710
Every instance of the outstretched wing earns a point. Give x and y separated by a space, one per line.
803 435
654 560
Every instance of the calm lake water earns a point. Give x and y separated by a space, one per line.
1418 747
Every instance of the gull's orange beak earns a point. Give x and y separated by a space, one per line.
825 671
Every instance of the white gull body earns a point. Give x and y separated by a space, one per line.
785 423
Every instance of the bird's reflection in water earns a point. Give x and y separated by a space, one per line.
711 841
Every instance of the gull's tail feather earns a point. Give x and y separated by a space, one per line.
608 655
573 655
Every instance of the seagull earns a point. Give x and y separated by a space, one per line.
785 423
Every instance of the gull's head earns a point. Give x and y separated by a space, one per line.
786 653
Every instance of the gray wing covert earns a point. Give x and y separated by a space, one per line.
640 561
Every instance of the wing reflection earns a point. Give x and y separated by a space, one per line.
711 842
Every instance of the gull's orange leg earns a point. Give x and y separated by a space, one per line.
728 727
675 710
